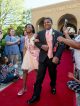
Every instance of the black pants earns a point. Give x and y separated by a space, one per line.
21 56
41 74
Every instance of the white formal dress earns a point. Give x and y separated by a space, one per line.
30 60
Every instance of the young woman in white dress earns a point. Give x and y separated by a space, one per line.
30 60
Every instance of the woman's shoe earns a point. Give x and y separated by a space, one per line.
21 92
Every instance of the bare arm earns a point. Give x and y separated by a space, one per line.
25 48
70 42
12 43
77 80
66 33
71 75
39 44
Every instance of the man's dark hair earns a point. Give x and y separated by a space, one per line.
48 19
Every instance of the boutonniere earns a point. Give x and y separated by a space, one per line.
53 33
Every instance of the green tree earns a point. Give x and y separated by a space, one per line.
10 12
26 17
19 30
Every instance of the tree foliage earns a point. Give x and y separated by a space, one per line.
10 11
26 17
19 30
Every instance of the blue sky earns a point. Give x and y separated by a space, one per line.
38 3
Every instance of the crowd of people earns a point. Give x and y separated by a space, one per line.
38 52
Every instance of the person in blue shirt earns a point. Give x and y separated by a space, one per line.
12 48
21 45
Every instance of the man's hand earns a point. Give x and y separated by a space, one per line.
45 47
55 60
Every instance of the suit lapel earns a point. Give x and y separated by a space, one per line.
44 38
54 37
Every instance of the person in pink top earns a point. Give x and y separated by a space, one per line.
30 60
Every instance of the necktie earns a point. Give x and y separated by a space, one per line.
49 42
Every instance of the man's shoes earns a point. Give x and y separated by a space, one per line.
53 91
33 100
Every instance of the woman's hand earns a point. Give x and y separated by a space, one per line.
65 30
71 75
36 40
60 39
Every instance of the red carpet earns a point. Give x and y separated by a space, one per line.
63 97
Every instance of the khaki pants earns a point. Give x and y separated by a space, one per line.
13 59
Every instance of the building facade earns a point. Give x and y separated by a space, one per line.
58 12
